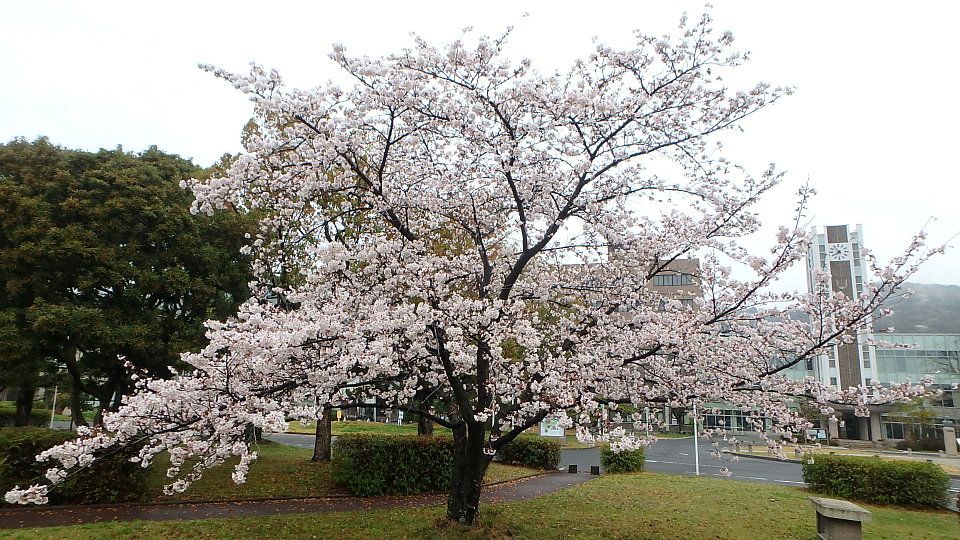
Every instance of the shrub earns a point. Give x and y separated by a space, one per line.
900 482
8 415
622 462
531 451
112 477
392 464
929 444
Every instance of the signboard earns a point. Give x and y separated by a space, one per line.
550 427
818 434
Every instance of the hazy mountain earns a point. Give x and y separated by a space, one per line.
933 309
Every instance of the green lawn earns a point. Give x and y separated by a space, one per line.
645 505
281 471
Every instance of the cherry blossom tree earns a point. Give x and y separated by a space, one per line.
475 233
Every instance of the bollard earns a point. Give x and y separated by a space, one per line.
572 469
595 470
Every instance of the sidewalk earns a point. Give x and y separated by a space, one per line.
50 516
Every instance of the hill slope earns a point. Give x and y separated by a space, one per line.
933 309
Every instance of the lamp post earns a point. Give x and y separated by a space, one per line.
696 443
53 410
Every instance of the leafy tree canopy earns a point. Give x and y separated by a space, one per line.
100 255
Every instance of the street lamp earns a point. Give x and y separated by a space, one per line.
696 442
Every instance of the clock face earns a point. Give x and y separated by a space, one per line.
838 252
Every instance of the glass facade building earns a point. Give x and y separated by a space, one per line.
936 355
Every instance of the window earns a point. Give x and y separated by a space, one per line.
865 349
866 364
672 280
832 363
809 364
833 381
867 381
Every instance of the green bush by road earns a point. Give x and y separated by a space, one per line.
901 482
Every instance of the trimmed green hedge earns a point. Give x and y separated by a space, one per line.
928 444
870 479
531 451
392 464
38 417
111 478
622 462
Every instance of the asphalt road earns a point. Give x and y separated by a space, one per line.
675 456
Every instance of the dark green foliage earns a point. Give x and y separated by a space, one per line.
392 464
8 415
928 444
622 462
100 255
900 482
531 451
112 477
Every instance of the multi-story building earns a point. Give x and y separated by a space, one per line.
935 355
837 252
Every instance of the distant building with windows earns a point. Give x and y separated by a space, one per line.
679 281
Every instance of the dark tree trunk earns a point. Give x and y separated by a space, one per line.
424 426
24 405
252 434
108 396
69 359
76 405
469 465
321 444
104 405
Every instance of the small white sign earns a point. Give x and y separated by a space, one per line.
550 427
400 418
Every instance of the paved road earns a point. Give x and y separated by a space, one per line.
675 456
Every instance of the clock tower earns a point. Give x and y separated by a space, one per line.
836 251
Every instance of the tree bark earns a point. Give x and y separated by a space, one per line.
322 440
68 357
76 404
469 466
24 405
424 426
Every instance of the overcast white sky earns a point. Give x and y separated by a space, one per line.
874 119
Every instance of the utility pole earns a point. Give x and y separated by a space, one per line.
696 443
53 410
